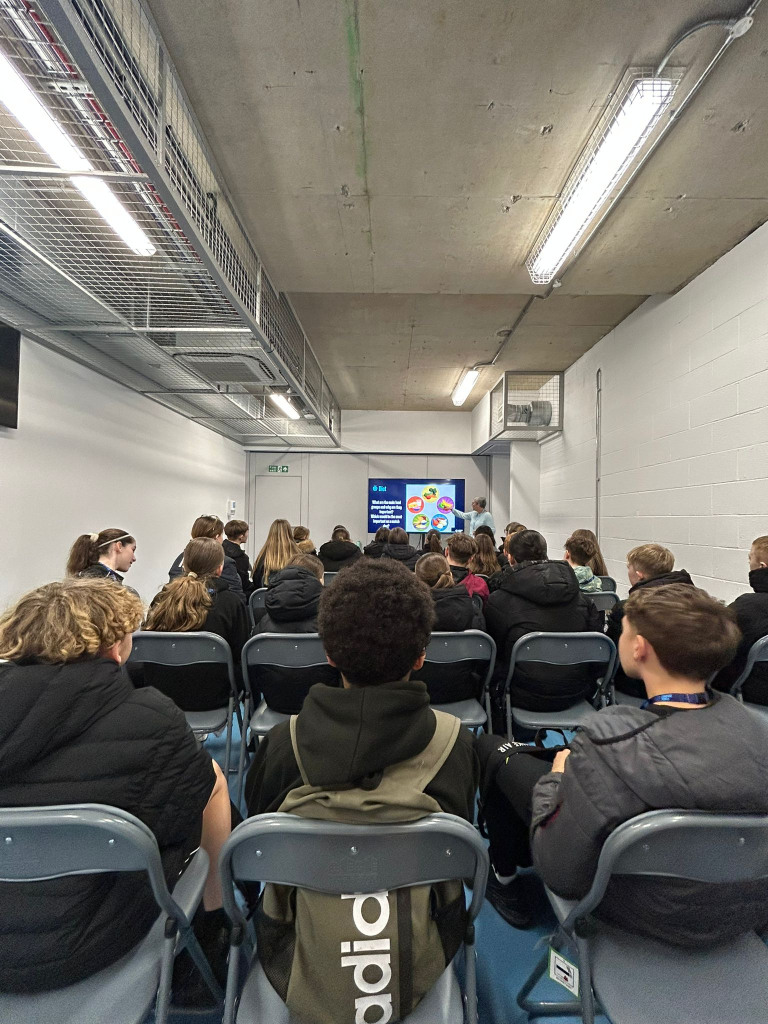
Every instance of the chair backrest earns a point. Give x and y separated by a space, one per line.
565 649
757 652
477 601
335 858
329 577
38 843
604 600
608 582
256 604
695 845
472 645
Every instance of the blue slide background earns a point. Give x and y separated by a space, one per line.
387 503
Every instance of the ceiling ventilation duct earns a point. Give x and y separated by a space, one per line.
526 406
195 322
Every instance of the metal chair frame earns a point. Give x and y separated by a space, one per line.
256 603
486 646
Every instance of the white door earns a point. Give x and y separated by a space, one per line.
276 496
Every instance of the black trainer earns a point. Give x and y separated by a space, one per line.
508 901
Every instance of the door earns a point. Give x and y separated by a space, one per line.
276 496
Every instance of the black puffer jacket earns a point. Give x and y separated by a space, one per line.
242 564
203 687
622 682
80 733
624 762
404 553
752 616
291 606
375 548
335 554
456 612
534 596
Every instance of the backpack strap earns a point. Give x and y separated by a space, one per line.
296 754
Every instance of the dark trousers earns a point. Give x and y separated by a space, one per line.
507 778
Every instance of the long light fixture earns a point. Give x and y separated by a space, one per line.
24 105
465 385
606 159
285 406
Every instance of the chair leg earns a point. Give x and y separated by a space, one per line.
166 977
228 749
243 749
544 1008
190 943
508 705
470 982
585 982
231 993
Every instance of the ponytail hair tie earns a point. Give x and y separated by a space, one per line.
192 575
93 537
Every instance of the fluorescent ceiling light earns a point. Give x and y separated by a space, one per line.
285 406
24 105
603 164
465 385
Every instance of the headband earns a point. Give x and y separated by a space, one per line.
113 540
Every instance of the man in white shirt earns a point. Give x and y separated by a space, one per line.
478 516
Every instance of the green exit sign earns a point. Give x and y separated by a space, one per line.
278 469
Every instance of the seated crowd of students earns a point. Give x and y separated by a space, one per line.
82 726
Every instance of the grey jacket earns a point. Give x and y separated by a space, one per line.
624 762
229 574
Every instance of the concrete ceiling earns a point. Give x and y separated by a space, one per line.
394 161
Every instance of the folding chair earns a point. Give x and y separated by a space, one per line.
560 649
604 600
256 605
179 649
608 583
636 980
329 577
335 858
758 652
41 843
451 648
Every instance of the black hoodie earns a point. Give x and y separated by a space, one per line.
540 596
335 554
622 682
80 733
752 616
350 735
375 548
404 553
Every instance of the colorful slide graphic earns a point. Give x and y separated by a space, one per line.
415 505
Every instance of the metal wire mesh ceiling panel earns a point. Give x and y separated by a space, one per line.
119 243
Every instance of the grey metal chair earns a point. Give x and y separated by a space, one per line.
604 600
41 843
334 858
560 649
179 649
256 605
329 577
636 980
609 583
472 645
758 652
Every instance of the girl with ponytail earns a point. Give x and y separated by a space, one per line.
580 551
197 601
596 562
102 555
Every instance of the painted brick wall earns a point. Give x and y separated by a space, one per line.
685 428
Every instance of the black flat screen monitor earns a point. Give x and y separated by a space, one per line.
10 348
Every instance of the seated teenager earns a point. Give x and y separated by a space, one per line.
688 748
501 558
398 548
339 551
304 542
751 611
484 562
578 552
211 526
458 551
376 548
74 730
200 602
596 562
291 606
276 552
354 745
538 595
430 544
648 566
455 611
106 555
236 536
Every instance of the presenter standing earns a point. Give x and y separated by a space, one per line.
478 516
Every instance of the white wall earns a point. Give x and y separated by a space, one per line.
407 432
334 487
685 427
90 454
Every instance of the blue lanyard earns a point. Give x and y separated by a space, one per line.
676 698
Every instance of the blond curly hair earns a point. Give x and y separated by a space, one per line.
70 619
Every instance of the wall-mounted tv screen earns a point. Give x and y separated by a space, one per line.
10 347
415 505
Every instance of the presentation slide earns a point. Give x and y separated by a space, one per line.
415 505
